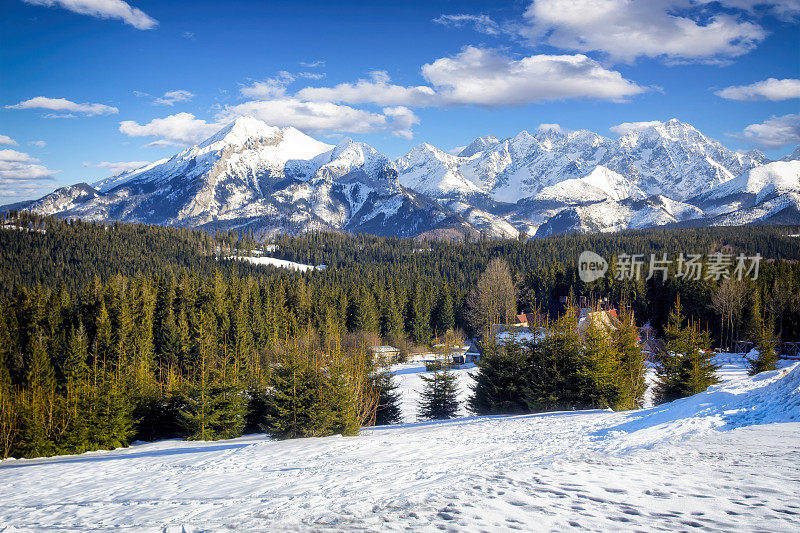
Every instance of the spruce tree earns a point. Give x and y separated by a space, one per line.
502 379
686 367
439 396
600 370
767 359
293 394
214 411
631 364
74 368
388 409
444 315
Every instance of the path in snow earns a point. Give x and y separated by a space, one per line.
660 468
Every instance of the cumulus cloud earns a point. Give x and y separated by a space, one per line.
62 104
6 140
678 30
117 167
550 127
312 64
775 132
106 9
480 23
21 176
488 77
626 127
376 90
170 98
38 144
321 117
274 87
769 89
402 120
179 129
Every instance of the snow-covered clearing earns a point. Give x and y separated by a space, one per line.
723 460
273 261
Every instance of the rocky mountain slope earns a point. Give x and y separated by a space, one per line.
253 176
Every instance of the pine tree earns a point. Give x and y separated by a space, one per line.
75 368
293 394
767 359
419 316
444 315
391 316
686 368
501 380
601 368
39 403
214 411
631 361
439 396
388 408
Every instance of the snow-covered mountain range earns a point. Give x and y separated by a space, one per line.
253 176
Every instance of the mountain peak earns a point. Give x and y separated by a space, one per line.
240 131
794 156
478 145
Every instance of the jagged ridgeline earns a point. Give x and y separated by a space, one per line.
255 176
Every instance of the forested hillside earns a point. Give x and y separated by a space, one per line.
120 332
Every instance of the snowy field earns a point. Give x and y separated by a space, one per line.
723 460
280 263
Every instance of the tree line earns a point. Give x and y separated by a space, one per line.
110 333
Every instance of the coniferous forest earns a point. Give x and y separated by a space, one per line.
123 332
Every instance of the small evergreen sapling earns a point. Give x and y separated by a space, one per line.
439 396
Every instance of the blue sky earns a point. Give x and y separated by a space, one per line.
89 86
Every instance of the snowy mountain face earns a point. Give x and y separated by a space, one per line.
584 176
250 175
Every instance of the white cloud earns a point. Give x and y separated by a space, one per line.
626 127
6 140
13 156
188 35
550 127
170 98
487 77
481 23
312 64
403 119
106 9
783 9
38 144
21 176
376 90
322 117
775 132
627 29
311 75
117 167
270 88
770 89
178 129
62 104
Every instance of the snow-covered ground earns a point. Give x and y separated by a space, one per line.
723 460
273 261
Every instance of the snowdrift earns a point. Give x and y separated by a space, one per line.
769 397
